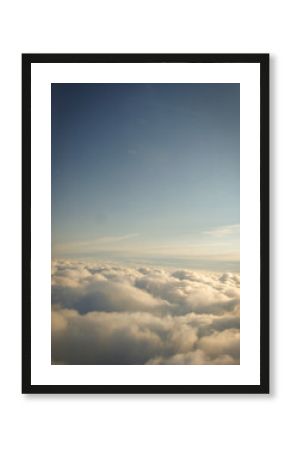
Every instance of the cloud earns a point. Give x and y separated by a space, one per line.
220 232
197 357
106 295
117 338
98 244
112 314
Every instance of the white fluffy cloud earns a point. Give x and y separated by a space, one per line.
111 314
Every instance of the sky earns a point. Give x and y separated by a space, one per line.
147 172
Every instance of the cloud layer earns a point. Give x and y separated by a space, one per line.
112 314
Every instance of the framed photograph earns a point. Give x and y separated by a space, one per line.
145 233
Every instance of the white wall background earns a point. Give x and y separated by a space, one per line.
46 422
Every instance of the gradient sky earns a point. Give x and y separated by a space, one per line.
146 171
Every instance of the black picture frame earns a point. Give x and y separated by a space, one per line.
27 61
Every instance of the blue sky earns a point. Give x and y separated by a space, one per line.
146 171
